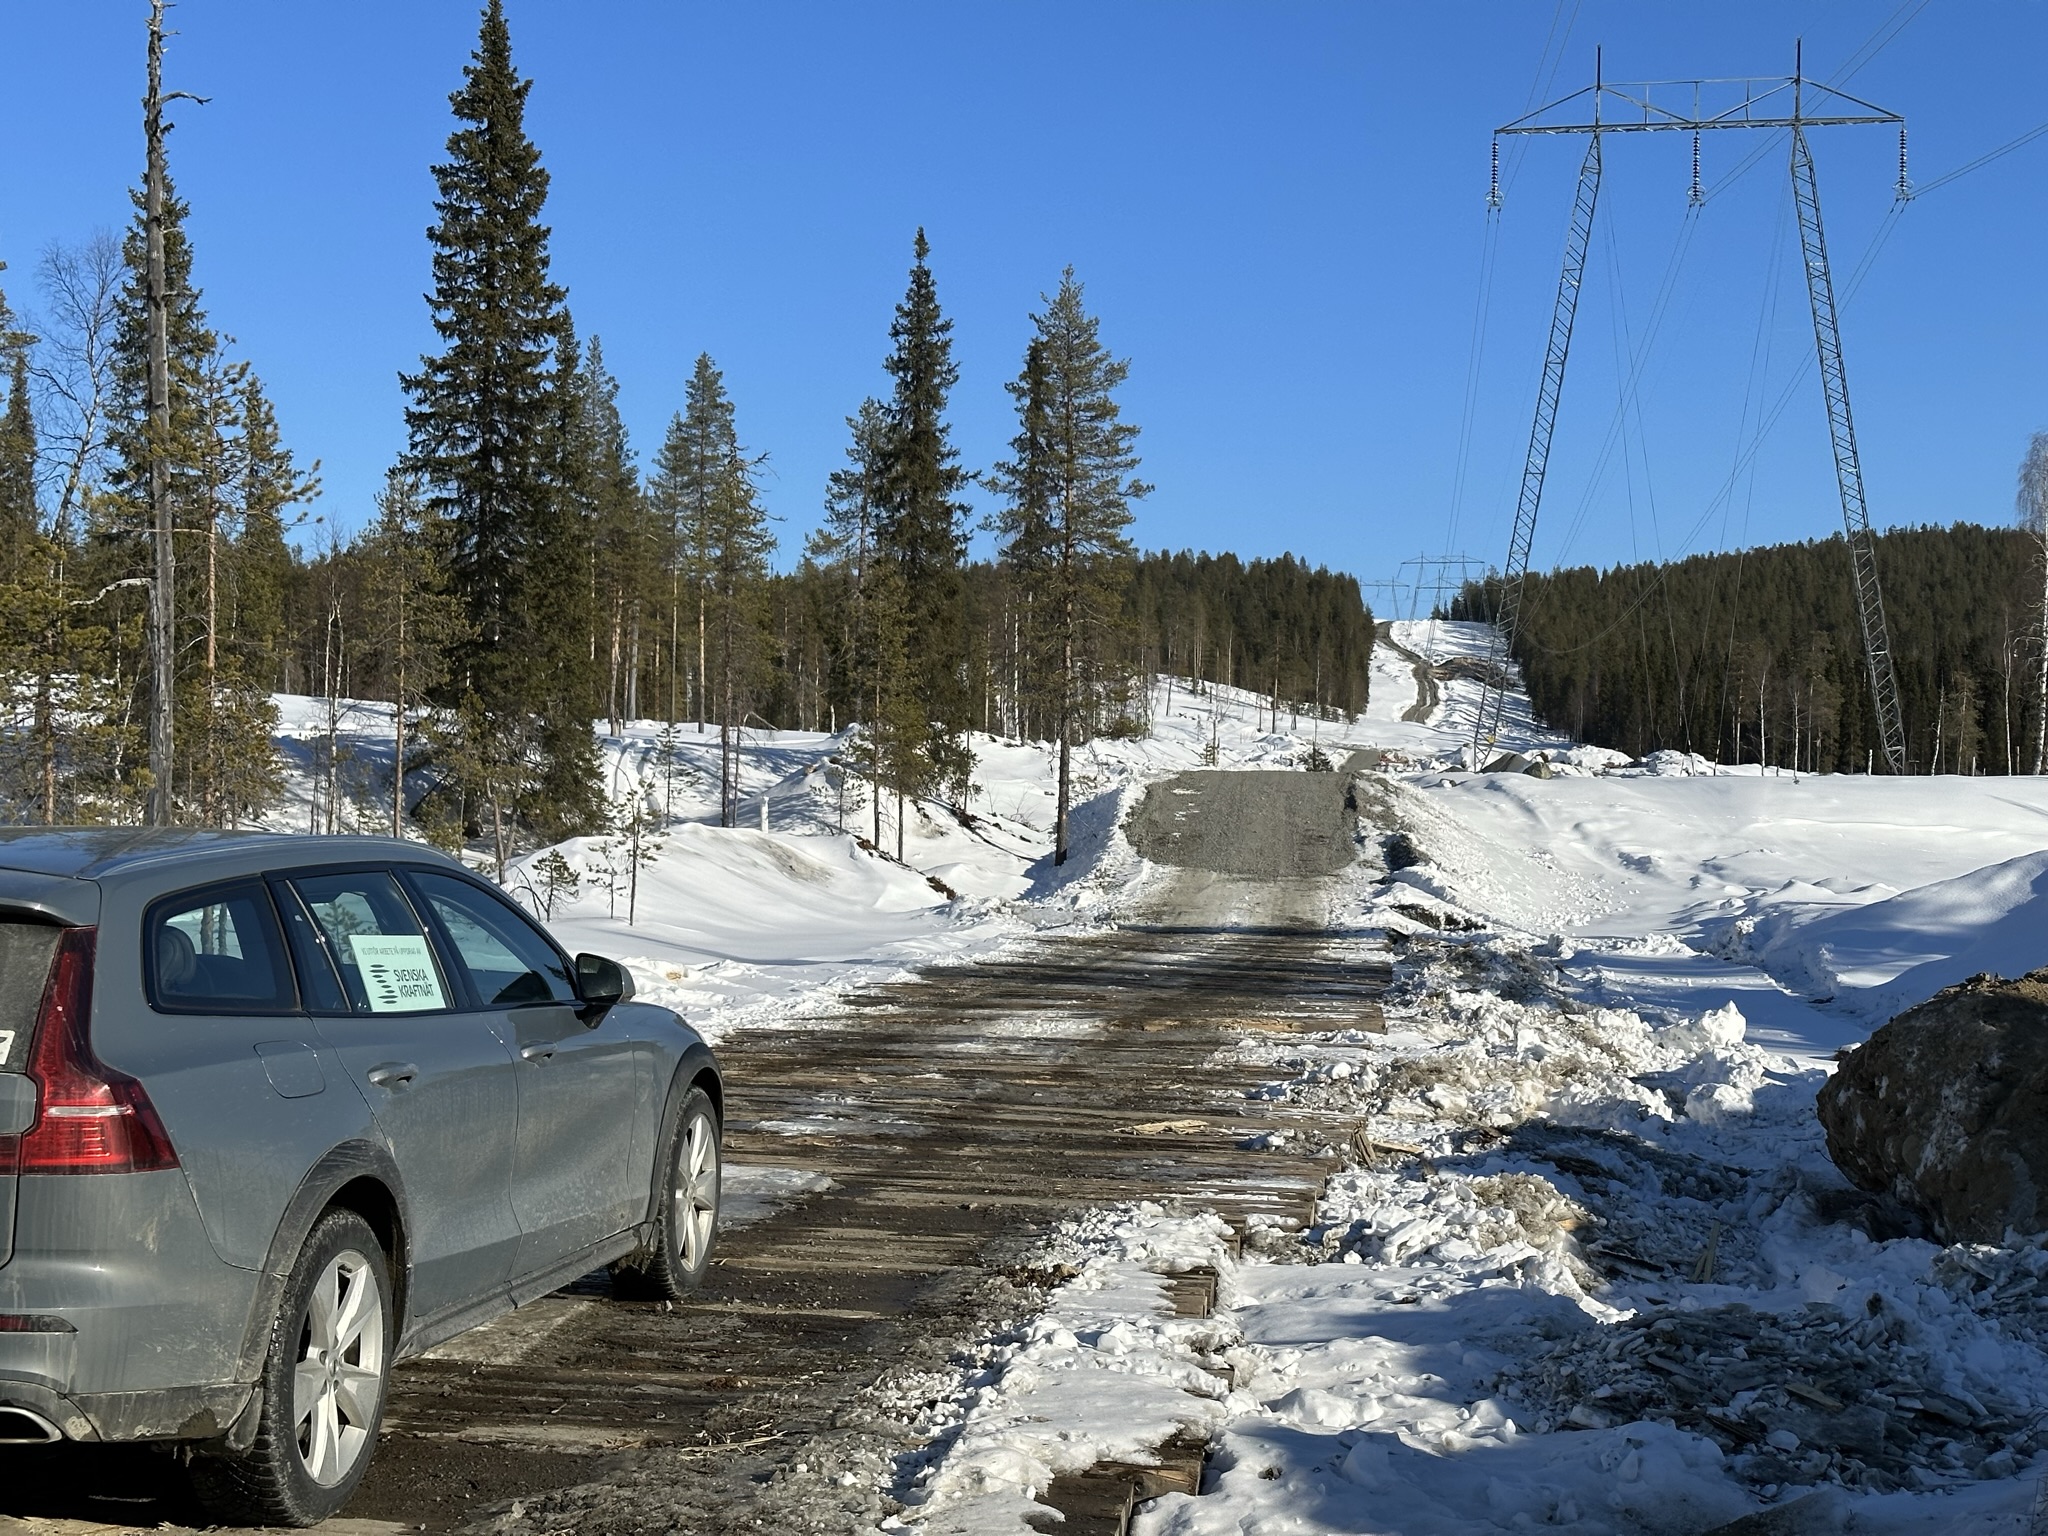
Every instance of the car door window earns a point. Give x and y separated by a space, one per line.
217 951
370 935
508 962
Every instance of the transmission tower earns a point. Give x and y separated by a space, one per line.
1433 575
1793 103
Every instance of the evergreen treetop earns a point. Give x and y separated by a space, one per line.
19 515
923 477
482 409
923 540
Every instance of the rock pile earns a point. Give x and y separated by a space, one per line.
1946 1109
1813 1396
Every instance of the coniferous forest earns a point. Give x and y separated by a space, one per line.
1757 656
525 570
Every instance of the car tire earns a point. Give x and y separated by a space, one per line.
674 1262
323 1386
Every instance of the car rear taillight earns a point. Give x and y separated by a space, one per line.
90 1119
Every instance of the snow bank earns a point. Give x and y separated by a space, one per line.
1879 959
1691 892
1105 1372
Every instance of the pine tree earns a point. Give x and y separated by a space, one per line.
488 440
701 445
922 533
849 543
1069 488
20 518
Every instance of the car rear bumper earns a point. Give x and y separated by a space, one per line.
171 1413
126 1324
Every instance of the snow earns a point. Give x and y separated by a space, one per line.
1447 735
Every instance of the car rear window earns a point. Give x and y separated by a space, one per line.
217 950
25 951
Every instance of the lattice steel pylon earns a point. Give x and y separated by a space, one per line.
1494 681
1713 105
1827 338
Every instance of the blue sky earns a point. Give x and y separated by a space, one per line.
1278 210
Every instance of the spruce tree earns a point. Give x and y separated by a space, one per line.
922 532
1069 487
224 462
272 484
487 441
718 540
410 623
560 796
737 550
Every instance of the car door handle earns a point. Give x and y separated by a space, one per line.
536 1052
392 1074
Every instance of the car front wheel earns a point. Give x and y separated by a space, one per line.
322 1389
686 1222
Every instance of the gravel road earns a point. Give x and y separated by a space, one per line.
1262 826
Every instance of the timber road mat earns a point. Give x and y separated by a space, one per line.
955 1114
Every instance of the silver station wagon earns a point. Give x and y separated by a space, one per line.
277 1112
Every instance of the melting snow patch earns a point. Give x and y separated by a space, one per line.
750 1192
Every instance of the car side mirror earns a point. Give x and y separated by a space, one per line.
601 981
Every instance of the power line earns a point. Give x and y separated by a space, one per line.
1981 161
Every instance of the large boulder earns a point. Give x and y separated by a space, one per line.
1946 1109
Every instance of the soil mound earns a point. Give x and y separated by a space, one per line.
1946 1109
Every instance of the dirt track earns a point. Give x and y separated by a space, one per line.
956 1115
1427 694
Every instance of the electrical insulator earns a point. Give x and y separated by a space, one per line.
1493 190
1905 186
1697 197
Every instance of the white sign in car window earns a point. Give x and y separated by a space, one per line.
398 972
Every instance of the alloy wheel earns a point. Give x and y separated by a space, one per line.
339 1379
696 1192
